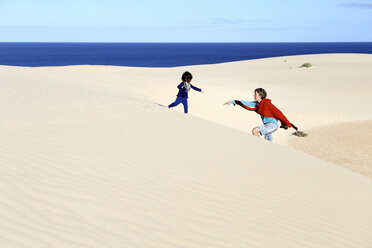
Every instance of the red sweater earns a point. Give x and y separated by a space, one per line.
267 109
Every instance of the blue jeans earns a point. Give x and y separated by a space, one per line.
267 130
179 100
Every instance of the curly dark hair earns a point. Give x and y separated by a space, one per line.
186 76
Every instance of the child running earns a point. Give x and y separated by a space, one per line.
183 92
269 114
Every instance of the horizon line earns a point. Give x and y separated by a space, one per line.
191 42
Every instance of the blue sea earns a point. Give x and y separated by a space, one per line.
160 54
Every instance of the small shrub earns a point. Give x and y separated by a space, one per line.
300 134
306 65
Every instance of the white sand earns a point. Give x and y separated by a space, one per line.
89 158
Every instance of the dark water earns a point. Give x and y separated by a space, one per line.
160 54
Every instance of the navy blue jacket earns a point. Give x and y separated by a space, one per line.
183 91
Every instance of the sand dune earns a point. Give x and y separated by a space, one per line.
90 158
346 144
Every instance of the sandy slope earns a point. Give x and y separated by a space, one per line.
346 144
89 158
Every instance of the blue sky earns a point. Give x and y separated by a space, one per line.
185 21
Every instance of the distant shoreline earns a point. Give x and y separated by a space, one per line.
97 42
221 63
162 55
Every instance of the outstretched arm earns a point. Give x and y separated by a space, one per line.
280 116
244 104
196 88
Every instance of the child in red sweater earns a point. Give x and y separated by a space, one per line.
269 114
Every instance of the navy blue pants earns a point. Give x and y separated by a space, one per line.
179 100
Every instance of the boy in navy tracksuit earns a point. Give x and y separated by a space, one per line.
183 91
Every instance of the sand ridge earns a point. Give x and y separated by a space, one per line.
346 144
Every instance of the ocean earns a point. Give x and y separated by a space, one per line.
160 54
